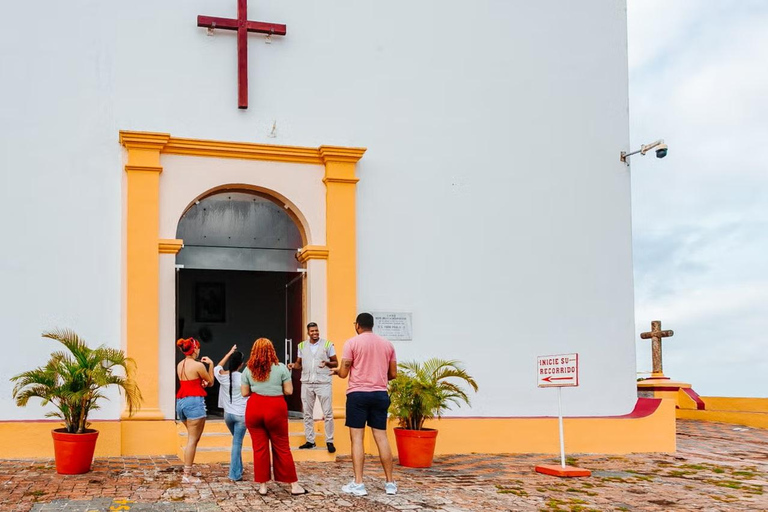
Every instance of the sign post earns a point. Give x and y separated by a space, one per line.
559 371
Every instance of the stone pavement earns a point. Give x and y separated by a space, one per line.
718 467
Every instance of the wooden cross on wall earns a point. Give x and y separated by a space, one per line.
655 336
242 26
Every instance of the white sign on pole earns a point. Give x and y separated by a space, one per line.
558 371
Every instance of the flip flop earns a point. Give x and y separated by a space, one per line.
300 493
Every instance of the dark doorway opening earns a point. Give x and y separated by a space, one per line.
238 279
222 308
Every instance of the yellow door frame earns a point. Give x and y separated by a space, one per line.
143 246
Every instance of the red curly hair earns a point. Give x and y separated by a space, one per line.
263 357
188 345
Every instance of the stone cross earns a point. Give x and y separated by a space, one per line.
655 335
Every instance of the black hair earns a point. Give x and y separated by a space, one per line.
310 325
235 360
365 320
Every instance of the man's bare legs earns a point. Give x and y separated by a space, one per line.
385 453
358 453
356 435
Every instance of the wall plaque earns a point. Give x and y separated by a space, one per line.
393 326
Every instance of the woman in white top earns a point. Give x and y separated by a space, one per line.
233 403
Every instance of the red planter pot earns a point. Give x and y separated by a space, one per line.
74 452
415 448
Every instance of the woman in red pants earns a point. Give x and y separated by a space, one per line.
264 381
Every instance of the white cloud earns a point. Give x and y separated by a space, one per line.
698 79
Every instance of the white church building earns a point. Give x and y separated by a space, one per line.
451 167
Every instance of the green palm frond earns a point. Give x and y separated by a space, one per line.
423 391
73 379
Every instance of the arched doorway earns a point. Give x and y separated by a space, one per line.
238 279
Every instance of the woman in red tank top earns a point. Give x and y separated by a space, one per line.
190 400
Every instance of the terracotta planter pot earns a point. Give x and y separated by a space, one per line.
415 448
74 452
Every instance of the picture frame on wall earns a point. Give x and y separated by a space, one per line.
210 302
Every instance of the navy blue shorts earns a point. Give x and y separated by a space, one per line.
367 407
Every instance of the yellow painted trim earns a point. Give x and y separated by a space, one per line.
243 150
143 140
148 437
653 433
312 252
662 383
668 389
165 143
340 154
170 246
749 419
721 403
142 307
340 182
32 439
751 412
143 169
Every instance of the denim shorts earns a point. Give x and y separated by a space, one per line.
190 408
367 407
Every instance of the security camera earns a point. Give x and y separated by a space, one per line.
661 150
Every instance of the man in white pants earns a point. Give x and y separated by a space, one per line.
316 357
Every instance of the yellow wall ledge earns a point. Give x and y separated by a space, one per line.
654 432
170 246
312 252
167 144
750 412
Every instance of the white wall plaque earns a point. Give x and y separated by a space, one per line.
393 326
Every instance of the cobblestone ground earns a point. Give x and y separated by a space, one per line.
717 467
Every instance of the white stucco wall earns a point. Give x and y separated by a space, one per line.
492 204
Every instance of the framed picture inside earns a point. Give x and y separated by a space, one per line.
210 302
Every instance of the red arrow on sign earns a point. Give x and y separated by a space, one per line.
550 379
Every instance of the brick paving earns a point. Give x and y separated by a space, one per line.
718 467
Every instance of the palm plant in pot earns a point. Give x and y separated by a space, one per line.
422 391
73 381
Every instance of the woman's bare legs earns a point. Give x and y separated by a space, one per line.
194 431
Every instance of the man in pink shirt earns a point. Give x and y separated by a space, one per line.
369 361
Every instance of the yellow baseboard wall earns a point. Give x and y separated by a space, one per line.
148 437
32 439
649 431
750 412
654 432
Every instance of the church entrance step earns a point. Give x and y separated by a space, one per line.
216 442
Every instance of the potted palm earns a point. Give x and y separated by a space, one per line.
73 381
422 391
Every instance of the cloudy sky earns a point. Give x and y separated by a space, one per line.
699 79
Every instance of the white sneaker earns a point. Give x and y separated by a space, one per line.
355 489
390 488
